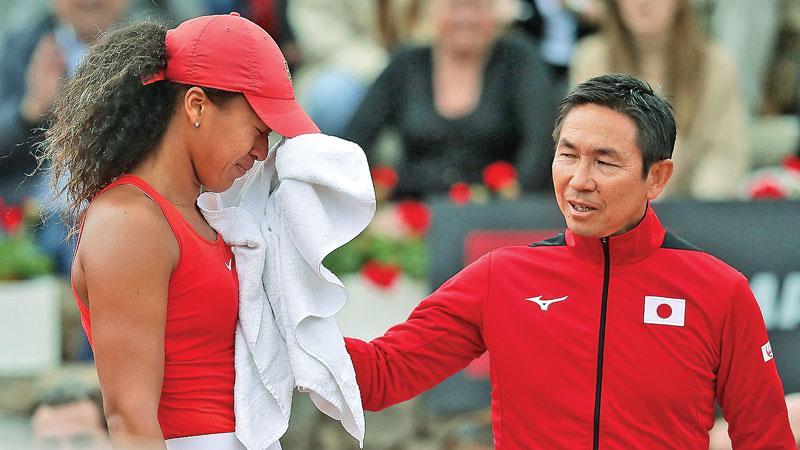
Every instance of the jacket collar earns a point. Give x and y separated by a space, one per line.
627 248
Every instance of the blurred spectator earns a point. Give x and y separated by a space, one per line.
36 59
557 25
343 54
69 416
345 45
780 95
466 101
402 21
659 41
753 49
15 12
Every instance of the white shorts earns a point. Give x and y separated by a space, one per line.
217 441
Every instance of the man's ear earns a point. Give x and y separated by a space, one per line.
657 177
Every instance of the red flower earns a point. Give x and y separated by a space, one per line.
384 177
792 164
11 218
460 193
415 215
766 189
499 175
382 274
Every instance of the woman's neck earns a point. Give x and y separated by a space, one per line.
170 172
444 56
654 44
456 82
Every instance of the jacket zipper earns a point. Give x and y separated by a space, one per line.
601 345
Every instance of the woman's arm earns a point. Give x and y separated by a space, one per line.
441 336
127 254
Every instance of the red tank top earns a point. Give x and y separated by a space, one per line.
202 309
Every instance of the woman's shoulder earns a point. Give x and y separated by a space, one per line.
513 52
405 62
124 219
123 197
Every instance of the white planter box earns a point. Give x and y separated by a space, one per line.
30 326
370 310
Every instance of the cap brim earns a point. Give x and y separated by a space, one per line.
283 116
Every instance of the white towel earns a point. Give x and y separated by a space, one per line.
286 336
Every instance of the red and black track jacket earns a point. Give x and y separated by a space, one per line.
615 343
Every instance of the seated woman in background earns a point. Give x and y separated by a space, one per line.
659 41
468 100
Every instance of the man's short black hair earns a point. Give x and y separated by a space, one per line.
653 116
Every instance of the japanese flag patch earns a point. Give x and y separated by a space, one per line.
664 311
766 351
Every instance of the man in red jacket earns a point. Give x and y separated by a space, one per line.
615 334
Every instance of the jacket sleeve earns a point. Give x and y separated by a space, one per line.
748 387
442 335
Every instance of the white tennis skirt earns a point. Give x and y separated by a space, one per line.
217 441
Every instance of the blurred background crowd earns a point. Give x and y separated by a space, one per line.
450 99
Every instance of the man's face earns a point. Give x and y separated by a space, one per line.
75 425
597 172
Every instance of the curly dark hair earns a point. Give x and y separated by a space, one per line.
105 121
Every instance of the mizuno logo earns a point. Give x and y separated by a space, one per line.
544 304
228 264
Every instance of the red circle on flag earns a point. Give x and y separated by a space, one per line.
664 311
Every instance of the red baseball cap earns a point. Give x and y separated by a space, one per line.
231 53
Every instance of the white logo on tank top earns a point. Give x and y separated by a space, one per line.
228 264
